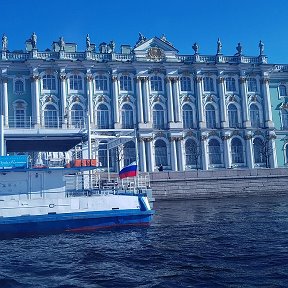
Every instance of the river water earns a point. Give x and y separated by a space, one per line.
231 242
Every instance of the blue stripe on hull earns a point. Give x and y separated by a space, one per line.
85 221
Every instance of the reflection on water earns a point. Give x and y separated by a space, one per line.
204 243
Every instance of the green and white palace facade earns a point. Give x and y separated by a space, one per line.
187 111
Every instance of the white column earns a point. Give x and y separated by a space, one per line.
36 97
115 99
244 97
249 151
63 79
272 150
227 152
5 101
90 97
139 98
177 117
267 103
170 100
2 141
181 154
223 110
199 92
204 149
151 155
142 151
147 100
174 164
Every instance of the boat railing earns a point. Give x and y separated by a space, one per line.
90 183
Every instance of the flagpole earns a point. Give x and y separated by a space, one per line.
136 152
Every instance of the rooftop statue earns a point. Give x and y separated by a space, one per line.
261 48
164 39
239 49
195 48
88 42
219 47
111 46
4 42
34 40
141 39
61 43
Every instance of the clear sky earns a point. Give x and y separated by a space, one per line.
182 21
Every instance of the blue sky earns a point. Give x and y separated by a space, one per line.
182 21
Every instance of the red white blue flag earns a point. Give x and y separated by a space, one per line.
128 171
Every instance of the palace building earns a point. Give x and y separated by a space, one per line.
187 111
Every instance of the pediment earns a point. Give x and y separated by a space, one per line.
155 42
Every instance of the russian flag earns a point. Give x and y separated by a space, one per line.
128 171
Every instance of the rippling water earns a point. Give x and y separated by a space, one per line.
209 243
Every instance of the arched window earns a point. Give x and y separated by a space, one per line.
75 82
259 151
102 154
282 90
185 83
51 116
284 119
49 82
252 84
187 117
102 116
101 83
237 152
214 151
210 116
20 114
125 83
192 152
77 116
233 116
158 117
127 117
230 84
208 84
19 86
254 116
156 83
129 152
161 153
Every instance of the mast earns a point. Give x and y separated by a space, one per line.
2 146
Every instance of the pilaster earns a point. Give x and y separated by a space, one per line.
90 78
142 148
199 93
223 109
115 99
36 90
249 150
204 149
139 100
170 100
245 113
174 162
267 103
63 80
227 150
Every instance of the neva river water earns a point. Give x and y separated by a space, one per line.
209 243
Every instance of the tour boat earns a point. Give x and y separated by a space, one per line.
43 199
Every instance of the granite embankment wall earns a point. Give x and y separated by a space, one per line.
219 183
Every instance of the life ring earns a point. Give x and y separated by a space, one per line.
51 205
